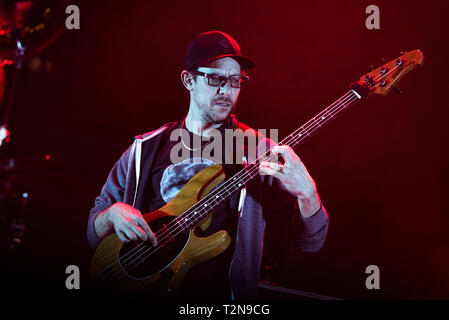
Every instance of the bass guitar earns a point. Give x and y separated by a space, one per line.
159 270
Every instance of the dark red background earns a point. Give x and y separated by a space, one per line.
381 169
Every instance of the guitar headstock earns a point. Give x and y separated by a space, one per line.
383 79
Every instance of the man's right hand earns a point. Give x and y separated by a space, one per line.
127 221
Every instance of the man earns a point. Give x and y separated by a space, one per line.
145 178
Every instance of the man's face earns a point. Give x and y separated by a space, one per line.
216 103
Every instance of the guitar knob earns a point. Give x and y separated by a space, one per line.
399 62
398 90
369 80
383 83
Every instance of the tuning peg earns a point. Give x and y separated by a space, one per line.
371 68
398 90
402 52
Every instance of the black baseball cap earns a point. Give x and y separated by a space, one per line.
213 45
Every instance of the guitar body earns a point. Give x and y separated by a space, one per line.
118 266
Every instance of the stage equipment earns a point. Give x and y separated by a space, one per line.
26 28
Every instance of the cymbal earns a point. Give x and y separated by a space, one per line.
36 24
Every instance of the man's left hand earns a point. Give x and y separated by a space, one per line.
294 179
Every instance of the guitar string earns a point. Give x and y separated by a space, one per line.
387 73
326 111
141 257
257 169
147 253
233 186
329 110
313 123
197 204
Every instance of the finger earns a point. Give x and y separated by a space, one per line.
121 235
287 154
139 232
134 226
270 168
272 165
129 233
142 223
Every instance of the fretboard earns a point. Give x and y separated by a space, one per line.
238 181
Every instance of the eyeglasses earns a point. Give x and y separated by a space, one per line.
217 80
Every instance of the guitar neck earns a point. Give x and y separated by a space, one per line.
238 181
322 119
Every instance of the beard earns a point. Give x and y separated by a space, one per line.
217 111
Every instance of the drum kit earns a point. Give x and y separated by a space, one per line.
26 28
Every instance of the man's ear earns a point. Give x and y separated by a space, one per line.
187 80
